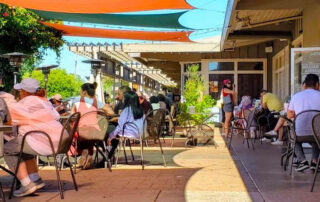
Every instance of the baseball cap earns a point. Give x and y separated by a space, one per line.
29 85
226 81
57 97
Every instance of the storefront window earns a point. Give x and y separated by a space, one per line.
221 66
250 66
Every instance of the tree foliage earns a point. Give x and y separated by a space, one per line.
21 31
194 96
59 81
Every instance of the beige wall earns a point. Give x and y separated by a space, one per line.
311 25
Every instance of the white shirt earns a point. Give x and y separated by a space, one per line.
308 99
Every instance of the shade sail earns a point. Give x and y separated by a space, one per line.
121 34
150 20
98 6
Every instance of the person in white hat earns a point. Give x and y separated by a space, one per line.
32 112
56 101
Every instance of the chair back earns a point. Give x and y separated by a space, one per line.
248 115
316 128
302 124
95 127
155 121
67 133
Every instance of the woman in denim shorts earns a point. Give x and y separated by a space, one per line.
228 94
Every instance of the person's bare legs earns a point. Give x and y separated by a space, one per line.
26 168
280 124
227 122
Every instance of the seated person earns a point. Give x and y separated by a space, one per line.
154 100
162 102
270 103
86 103
144 104
32 112
131 113
307 99
56 101
120 97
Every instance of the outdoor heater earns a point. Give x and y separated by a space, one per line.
96 65
46 71
15 60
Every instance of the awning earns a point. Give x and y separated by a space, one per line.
137 20
181 36
98 6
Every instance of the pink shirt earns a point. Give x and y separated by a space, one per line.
36 113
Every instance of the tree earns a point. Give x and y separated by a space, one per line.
59 81
21 30
193 94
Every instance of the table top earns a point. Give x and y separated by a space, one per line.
6 128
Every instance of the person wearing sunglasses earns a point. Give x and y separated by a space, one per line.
228 95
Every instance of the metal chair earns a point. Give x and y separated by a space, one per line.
316 135
70 127
307 117
248 120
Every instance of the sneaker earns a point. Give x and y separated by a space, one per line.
265 140
39 183
302 166
295 163
278 142
25 190
313 166
272 133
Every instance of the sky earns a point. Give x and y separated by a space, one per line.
207 19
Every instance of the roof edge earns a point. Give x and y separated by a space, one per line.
225 30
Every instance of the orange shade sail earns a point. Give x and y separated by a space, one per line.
181 36
98 6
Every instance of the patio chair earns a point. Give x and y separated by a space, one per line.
248 122
97 132
307 117
153 128
70 126
316 135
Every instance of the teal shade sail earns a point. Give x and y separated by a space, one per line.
170 20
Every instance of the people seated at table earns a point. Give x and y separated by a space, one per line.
144 103
120 98
86 103
154 100
164 103
131 113
56 101
32 112
307 99
228 95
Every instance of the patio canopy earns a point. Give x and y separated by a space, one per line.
170 20
98 6
178 36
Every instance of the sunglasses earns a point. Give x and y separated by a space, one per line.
229 83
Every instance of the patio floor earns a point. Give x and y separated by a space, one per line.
202 173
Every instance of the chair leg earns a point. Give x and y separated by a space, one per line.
231 134
3 197
141 153
252 143
315 174
164 160
58 177
15 175
131 151
291 165
124 150
118 152
72 174
173 135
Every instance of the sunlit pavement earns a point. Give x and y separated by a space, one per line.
203 173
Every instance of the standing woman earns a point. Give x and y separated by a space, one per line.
228 95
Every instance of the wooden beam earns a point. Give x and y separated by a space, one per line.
273 4
251 35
